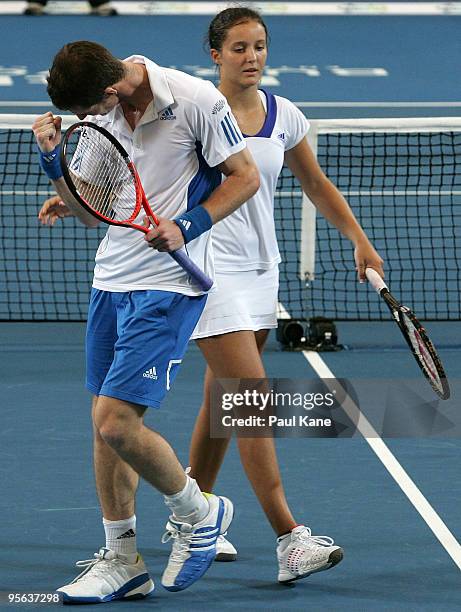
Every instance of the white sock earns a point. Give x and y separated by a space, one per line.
121 535
189 505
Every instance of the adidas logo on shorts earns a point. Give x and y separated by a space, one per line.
152 373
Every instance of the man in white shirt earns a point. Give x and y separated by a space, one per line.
181 136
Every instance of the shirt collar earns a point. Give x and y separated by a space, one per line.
163 98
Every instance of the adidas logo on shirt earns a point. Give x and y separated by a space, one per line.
167 115
152 373
281 136
185 223
128 534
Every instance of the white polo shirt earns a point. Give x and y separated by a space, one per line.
185 132
246 239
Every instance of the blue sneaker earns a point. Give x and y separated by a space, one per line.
194 546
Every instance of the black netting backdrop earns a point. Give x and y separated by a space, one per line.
404 188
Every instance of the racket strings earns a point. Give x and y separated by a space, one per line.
101 175
108 193
423 354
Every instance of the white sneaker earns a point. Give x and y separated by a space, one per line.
225 550
107 577
301 554
194 546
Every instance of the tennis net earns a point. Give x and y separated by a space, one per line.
402 178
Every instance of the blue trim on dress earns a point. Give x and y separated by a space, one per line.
271 116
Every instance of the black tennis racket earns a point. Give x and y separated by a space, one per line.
103 179
415 335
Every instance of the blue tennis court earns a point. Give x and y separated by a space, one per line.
392 505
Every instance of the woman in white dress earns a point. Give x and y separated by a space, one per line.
237 318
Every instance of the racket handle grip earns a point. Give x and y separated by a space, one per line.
375 280
203 281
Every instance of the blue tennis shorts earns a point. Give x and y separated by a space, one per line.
135 342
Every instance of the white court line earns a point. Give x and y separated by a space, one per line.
13 103
378 104
68 509
400 192
377 444
339 104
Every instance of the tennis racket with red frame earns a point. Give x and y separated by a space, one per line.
102 178
415 335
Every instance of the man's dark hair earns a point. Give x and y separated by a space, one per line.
80 73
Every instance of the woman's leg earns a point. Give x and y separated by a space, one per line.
238 355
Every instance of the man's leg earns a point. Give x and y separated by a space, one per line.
117 571
116 485
119 425
135 343
124 450
197 520
116 481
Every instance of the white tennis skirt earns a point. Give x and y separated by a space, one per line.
243 301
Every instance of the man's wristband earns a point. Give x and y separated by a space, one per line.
50 164
193 223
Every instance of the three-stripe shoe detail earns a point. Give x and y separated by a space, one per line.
194 546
